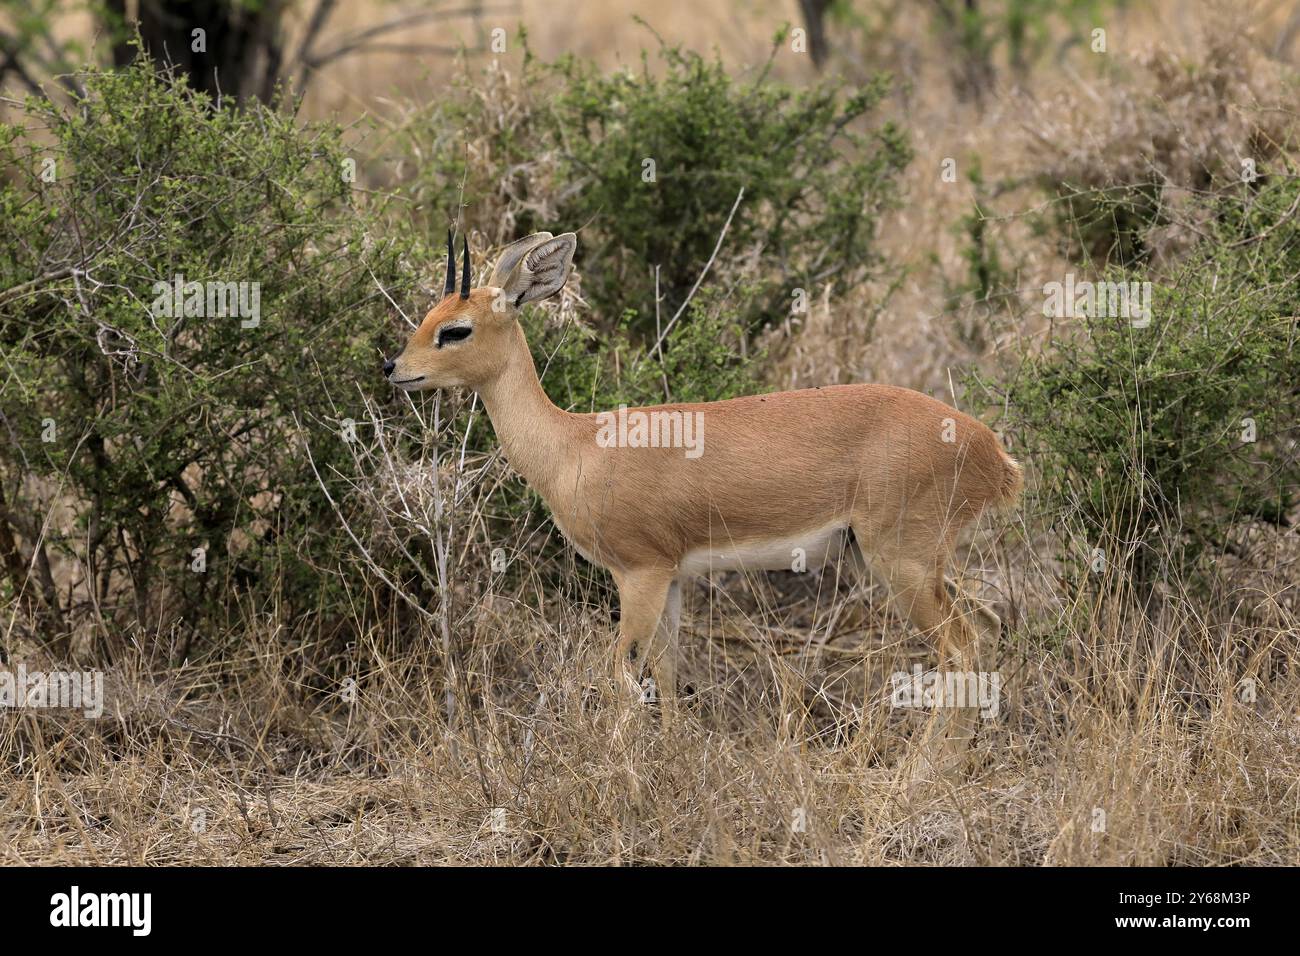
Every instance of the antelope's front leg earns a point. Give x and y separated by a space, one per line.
642 597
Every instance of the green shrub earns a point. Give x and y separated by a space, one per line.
814 188
1110 225
166 433
1154 444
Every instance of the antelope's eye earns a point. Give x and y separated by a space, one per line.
455 333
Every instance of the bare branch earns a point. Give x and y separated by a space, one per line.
703 272
359 40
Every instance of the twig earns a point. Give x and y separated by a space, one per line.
365 553
390 298
695 288
20 290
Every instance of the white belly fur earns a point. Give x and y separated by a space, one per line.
771 554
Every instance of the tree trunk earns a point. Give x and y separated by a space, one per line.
238 53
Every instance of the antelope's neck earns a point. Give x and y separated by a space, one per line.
534 433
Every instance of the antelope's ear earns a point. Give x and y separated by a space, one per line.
541 269
511 255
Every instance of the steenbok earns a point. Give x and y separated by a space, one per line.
656 495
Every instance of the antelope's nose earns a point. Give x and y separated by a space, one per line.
388 367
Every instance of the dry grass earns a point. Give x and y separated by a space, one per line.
1123 738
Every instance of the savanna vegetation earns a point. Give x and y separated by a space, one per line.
336 627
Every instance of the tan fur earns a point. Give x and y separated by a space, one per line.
781 467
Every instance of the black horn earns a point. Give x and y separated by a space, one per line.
451 268
464 275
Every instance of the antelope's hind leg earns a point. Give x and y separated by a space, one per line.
663 649
986 622
918 589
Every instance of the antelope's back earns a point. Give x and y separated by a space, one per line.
792 462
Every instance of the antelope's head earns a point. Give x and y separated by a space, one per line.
468 338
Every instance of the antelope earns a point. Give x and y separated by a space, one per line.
885 474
